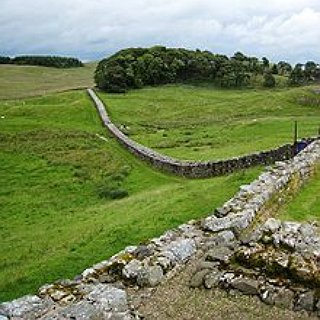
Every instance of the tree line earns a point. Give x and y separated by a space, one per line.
45 61
137 67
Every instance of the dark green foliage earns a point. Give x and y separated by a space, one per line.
310 71
274 69
284 68
265 63
232 74
136 67
310 66
317 74
297 76
111 187
47 61
305 74
5 60
111 192
269 80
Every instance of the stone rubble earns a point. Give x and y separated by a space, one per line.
107 289
280 272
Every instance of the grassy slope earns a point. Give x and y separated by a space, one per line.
190 122
306 204
53 224
26 81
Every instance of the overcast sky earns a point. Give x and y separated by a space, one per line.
91 29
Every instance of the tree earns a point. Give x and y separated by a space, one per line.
265 63
239 56
137 67
310 66
5 60
274 69
115 80
297 76
284 68
269 80
310 70
254 66
317 74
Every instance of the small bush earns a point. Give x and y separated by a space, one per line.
111 192
111 187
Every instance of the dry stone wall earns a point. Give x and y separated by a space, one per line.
192 169
112 288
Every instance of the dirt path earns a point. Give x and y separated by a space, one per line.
175 300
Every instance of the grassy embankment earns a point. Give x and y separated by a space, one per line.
305 206
53 168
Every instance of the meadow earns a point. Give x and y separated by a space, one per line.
55 221
27 81
70 199
204 122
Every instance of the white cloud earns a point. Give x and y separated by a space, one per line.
281 29
292 36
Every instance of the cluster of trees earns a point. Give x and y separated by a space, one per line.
305 74
5 60
137 67
46 61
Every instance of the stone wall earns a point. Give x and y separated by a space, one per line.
112 288
278 263
192 169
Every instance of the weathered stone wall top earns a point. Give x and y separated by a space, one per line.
192 169
278 262
108 289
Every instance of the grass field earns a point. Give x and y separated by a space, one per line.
26 81
58 177
203 122
54 223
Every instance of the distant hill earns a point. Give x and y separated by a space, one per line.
25 81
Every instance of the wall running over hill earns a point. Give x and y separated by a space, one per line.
113 288
192 169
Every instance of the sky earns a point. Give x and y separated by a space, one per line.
92 29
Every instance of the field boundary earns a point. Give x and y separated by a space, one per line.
193 169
